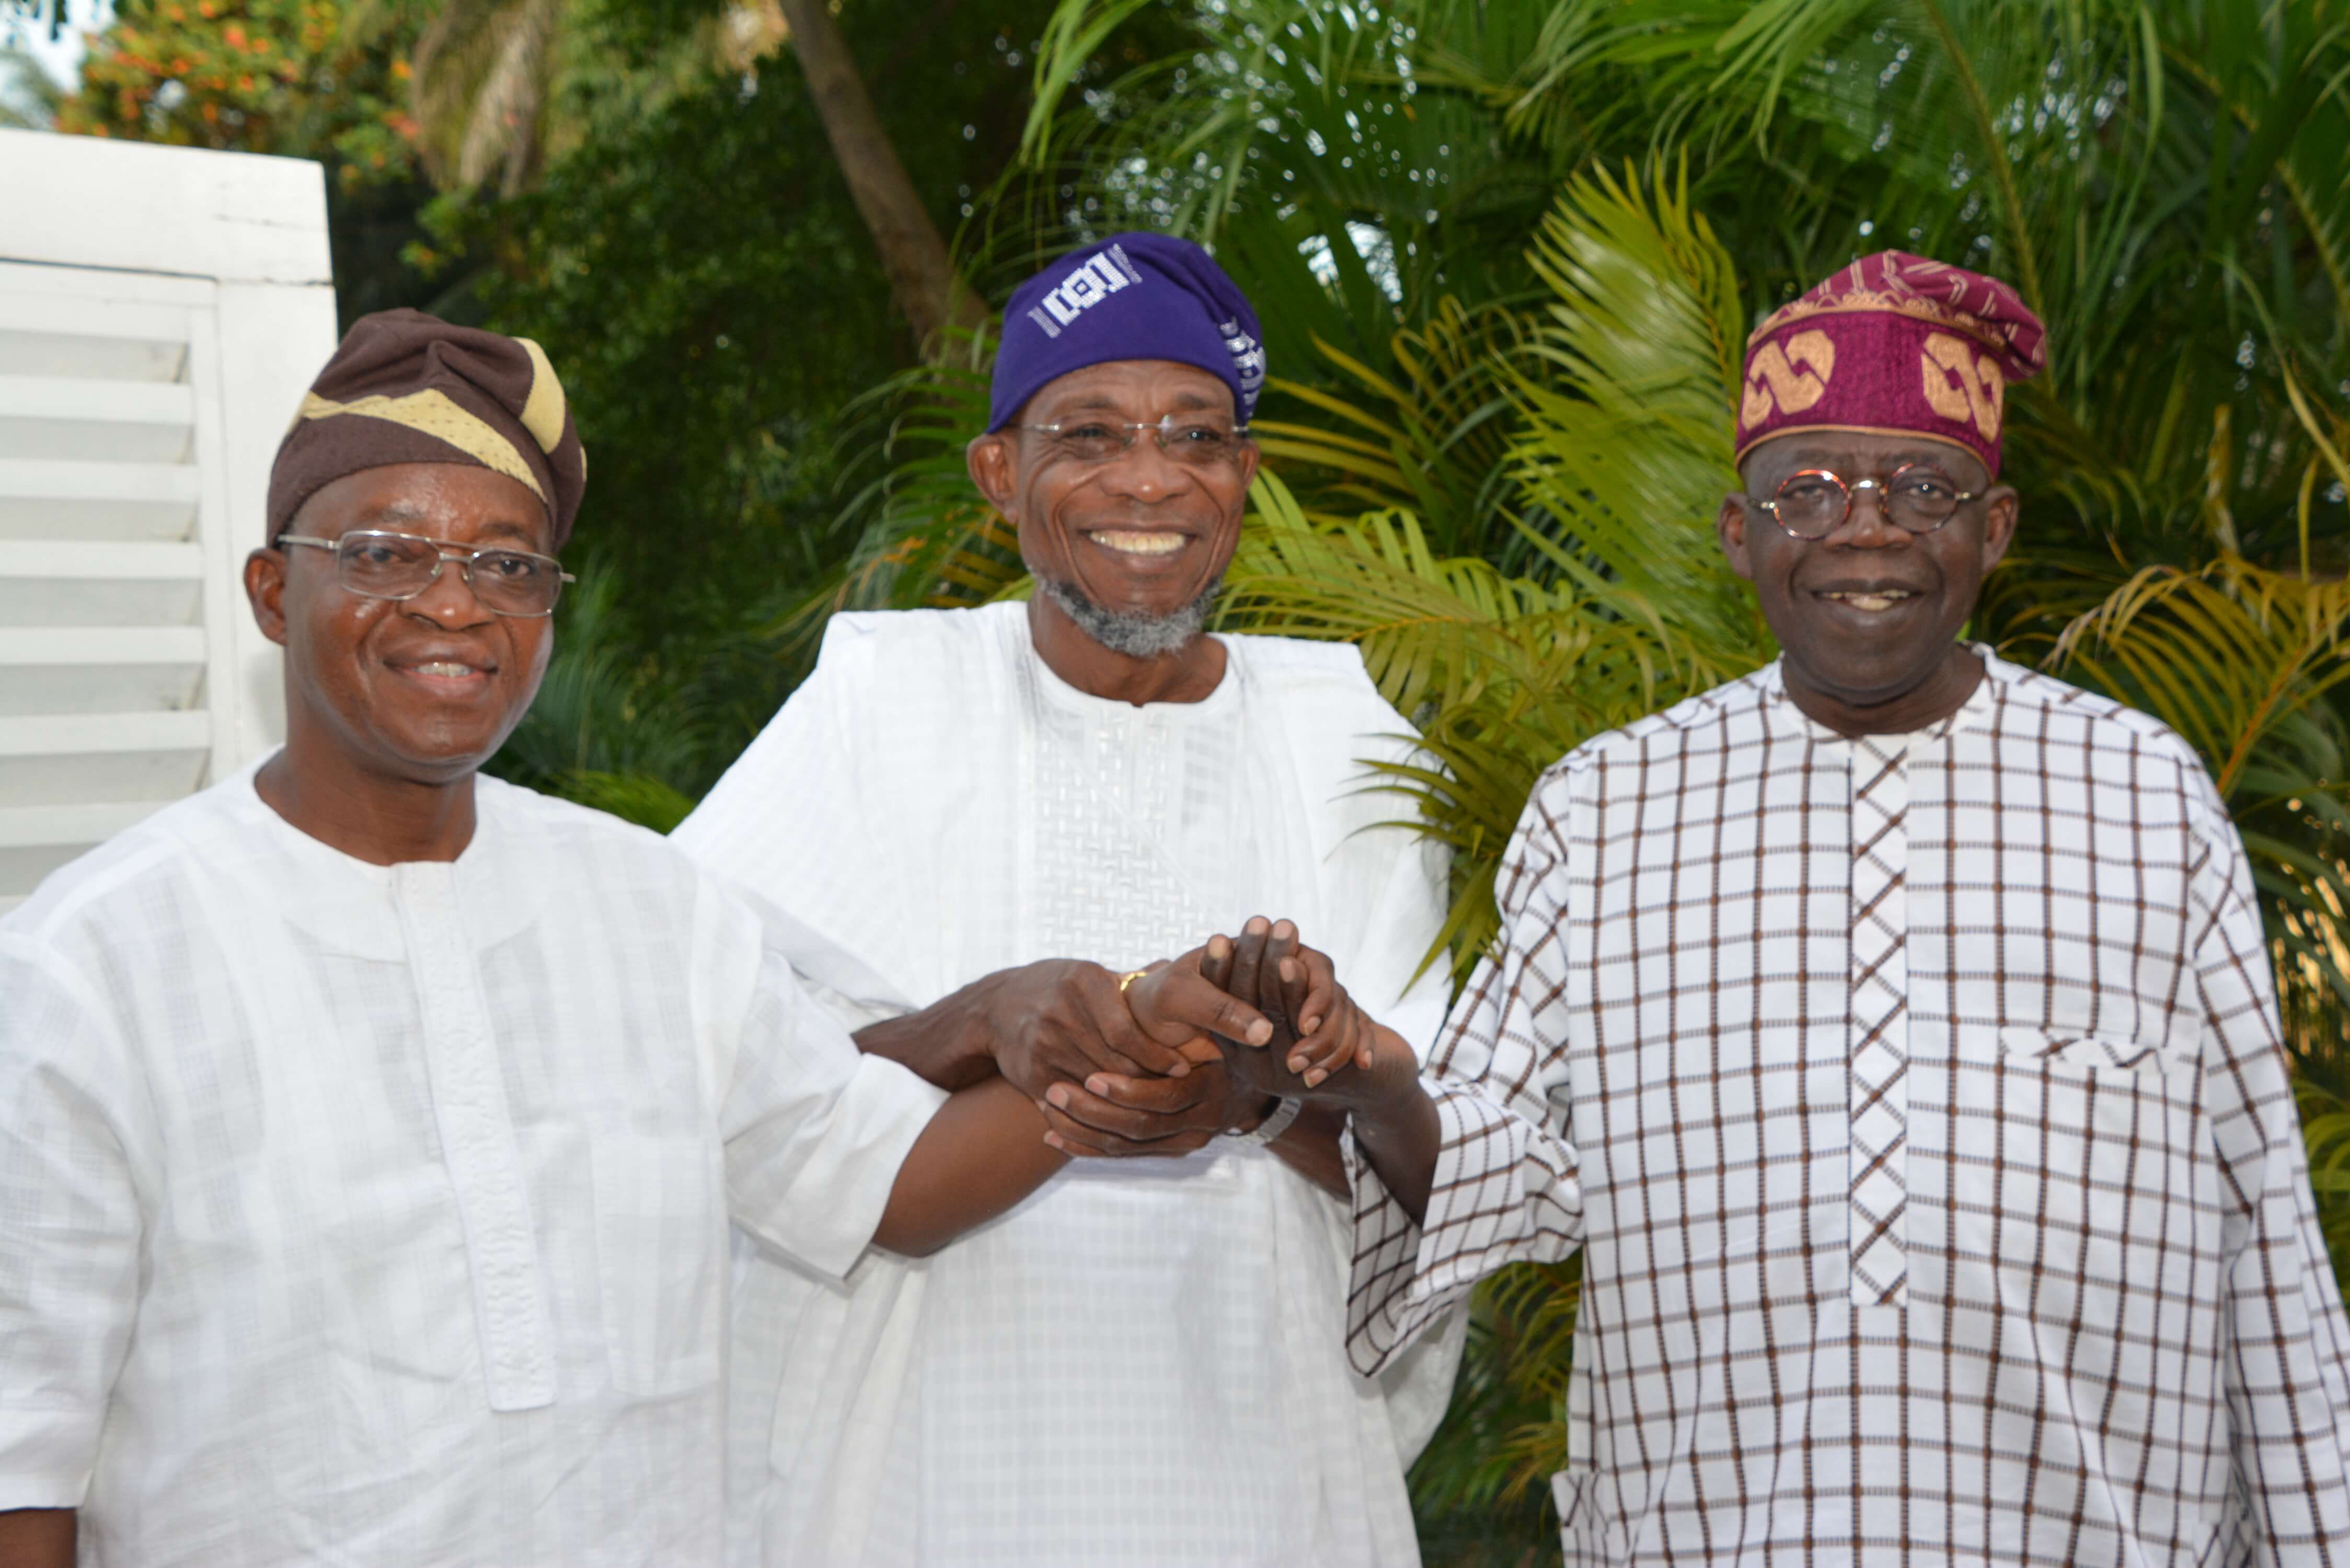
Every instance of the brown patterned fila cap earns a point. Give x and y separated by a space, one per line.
405 386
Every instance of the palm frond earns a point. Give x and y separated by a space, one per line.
1503 675
640 798
1622 445
600 718
1506 1431
923 535
2228 656
2325 1132
1430 433
2242 664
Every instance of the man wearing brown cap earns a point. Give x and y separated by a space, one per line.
369 1130
1893 1032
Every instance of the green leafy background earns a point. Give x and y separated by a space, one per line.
1506 254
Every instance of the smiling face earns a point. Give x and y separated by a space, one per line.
1869 616
1143 534
423 690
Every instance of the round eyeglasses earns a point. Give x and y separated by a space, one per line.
1814 504
377 565
1189 439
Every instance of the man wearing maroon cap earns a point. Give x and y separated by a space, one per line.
1892 1032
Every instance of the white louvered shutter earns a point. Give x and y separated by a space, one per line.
161 311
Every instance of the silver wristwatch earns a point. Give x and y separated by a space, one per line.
1276 1122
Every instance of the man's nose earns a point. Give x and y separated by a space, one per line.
1867 526
1143 471
449 600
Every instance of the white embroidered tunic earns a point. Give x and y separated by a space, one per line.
379 1215
1919 1107
1145 1362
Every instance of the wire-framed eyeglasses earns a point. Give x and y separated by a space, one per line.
1199 441
1813 502
377 563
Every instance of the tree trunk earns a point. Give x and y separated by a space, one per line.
921 274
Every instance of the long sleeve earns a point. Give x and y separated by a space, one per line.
69 1232
2288 1365
814 1130
1505 1188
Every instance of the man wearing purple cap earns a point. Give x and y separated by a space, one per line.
994 818
368 1129
1893 1032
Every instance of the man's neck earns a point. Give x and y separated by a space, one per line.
1187 675
367 814
1931 701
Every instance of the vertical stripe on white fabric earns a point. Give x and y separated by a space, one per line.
477 1141
1879 1026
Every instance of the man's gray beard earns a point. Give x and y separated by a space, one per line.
1125 632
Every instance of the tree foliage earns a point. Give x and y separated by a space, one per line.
252 75
324 80
710 292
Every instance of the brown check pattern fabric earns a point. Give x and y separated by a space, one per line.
2116 1339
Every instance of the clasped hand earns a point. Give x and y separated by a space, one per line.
1207 1042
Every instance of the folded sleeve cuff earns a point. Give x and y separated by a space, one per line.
1405 1276
46 1452
823 1207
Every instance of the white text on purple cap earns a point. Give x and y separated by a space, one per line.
1103 275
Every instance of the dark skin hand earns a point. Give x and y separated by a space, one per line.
1868 618
1175 1010
1345 1066
1071 1044
1317 1028
1295 991
1047 1026
36 1538
1056 1021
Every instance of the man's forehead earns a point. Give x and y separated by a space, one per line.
1862 451
444 501
1115 383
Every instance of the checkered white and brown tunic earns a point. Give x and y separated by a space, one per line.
1918 1105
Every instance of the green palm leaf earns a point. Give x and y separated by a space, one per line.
2241 663
1624 423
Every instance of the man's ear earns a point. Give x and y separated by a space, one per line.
1729 527
989 459
264 589
1999 524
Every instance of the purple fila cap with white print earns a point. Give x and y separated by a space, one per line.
1129 296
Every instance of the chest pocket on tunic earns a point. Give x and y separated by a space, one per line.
2099 1054
661 1260
2094 1142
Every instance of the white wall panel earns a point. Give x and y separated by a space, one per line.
161 310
